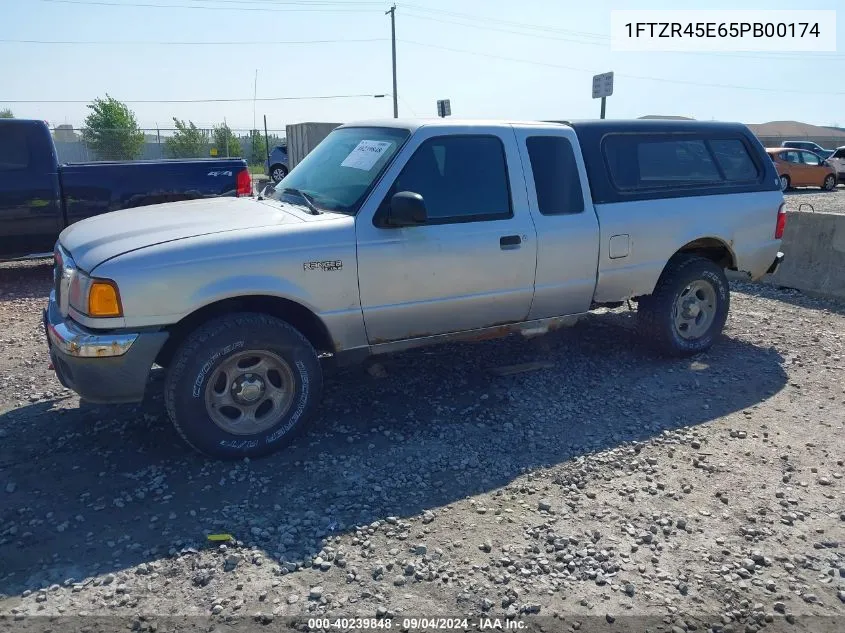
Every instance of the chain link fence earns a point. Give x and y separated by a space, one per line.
80 145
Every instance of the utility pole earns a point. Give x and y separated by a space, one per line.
392 13
254 95
266 143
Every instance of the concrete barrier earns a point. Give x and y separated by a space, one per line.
814 248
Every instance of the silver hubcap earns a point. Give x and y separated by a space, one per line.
829 182
249 392
278 174
695 309
784 183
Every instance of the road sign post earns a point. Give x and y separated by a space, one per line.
603 88
444 108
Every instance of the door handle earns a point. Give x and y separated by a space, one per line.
509 242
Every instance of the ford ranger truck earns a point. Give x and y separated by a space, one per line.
397 234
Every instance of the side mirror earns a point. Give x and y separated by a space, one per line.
406 209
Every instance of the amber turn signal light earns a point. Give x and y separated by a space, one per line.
104 299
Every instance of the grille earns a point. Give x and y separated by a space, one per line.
62 277
57 273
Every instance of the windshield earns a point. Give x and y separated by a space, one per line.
339 172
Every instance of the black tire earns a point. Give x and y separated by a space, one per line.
206 349
279 168
656 312
829 183
785 179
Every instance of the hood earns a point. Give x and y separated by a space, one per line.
95 240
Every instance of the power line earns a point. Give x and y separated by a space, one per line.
592 39
502 30
312 9
315 3
630 76
249 99
207 43
481 18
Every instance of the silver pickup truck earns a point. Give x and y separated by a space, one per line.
395 234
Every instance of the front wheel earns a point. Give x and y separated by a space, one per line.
242 386
784 182
688 308
278 172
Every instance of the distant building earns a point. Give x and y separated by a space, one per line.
773 133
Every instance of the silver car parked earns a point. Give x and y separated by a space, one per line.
397 234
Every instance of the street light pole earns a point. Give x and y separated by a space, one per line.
392 13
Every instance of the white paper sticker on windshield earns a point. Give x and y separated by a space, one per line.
366 154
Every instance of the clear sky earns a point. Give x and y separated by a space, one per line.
223 42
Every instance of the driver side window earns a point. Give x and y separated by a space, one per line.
810 158
461 179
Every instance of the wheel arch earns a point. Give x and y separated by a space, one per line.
300 317
713 248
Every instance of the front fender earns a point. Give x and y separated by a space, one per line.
246 285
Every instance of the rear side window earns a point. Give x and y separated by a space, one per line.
14 149
734 159
461 179
640 161
840 153
555 175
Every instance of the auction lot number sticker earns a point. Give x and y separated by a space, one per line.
723 30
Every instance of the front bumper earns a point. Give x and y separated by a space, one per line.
101 367
775 264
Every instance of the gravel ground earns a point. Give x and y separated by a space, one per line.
607 484
820 201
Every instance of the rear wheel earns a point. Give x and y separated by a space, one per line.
242 386
688 308
784 182
829 183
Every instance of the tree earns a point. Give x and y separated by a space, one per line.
5 113
222 138
188 142
112 131
258 148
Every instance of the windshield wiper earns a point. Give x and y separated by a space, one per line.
267 191
308 201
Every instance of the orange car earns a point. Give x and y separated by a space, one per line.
800 168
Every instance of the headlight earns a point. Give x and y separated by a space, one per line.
94 297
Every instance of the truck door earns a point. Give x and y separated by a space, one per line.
30 217
567 226
471 264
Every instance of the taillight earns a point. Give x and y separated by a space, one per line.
244 183
781 223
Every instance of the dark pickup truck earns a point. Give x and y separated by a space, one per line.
39 197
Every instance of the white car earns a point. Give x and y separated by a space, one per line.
837 161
